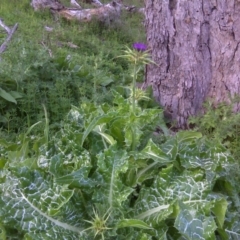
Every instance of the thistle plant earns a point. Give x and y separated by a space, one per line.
98 224
138 56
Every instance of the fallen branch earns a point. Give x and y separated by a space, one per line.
95 3
57 5
42 4
7 29
134 9
10 33
106 13
75 4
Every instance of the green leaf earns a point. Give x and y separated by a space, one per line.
209 228
96 121
3 119
2 232
77 179
112 163
231 230
191 224
116 130
108 138
4 143
31 127
15 94
219 209
32 204
169 186
233 235
99 129
154 152
155 211
171 148
70 169
187 136
105 81
133 223
7 96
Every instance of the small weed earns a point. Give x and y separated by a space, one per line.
220 124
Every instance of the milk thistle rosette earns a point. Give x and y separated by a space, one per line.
98 224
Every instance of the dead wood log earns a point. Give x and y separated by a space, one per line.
107 13
75 4
95 3
134 9
10 32
42 4
57 5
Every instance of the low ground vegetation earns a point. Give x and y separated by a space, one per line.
86 155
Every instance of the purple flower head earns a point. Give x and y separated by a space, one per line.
141 47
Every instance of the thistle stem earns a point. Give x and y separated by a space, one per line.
134 103
134 86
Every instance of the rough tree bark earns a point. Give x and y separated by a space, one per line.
196 46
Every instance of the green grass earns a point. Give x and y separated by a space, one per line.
31 33
91 39
221 125
31 28
35 65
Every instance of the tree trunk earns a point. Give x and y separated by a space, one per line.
196 47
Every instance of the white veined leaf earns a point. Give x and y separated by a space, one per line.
233 235
108 138
169 187
188 136
154 152
193 225
100 130
96 121
111 163
32 204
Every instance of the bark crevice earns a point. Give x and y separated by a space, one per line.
196 46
